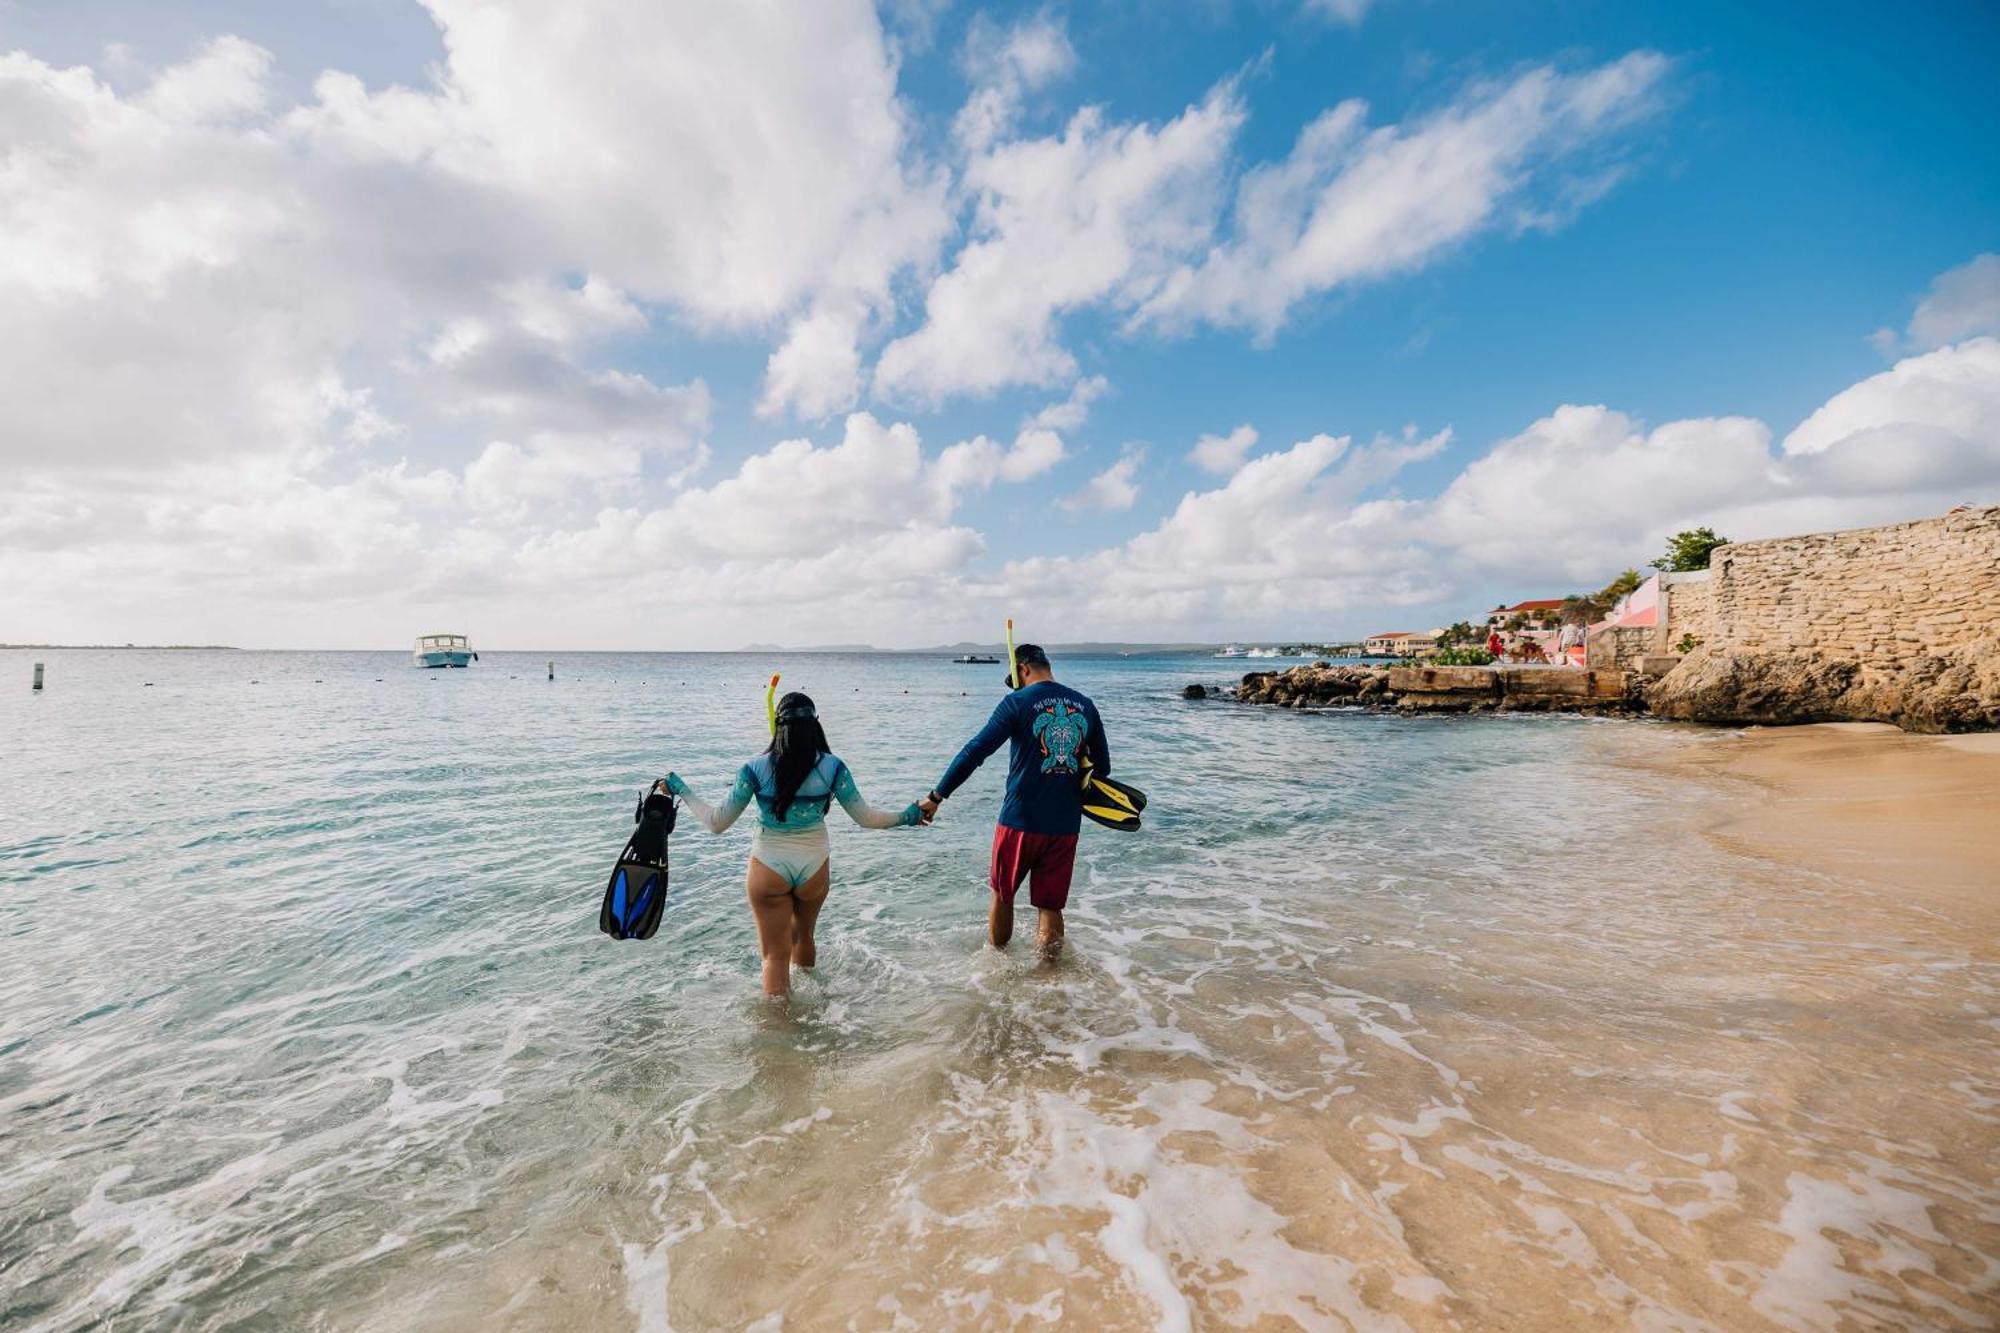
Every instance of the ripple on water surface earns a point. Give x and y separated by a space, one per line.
1380 1023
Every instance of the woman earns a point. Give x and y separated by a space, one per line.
794 783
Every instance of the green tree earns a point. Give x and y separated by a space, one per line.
1461 632
1582 609
1620 588
1689 550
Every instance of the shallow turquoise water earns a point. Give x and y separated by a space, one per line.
304 1020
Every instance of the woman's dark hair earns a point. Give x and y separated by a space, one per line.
796 747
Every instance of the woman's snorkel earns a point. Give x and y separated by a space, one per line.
771 702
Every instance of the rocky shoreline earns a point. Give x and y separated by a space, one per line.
1445 689
1952 692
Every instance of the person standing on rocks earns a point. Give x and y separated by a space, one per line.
1567 642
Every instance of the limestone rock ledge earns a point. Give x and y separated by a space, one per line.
1316 686
1443 689
1957 690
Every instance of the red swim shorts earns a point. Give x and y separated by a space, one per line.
1045 860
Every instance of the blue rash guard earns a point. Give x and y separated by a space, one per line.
1053 728
793 844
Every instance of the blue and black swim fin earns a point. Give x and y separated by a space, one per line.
637 893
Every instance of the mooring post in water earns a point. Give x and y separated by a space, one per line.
38 675
552 671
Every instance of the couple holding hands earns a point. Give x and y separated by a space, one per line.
1056 737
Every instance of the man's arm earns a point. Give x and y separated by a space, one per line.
1099 748
990 737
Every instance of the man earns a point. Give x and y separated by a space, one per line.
1053 729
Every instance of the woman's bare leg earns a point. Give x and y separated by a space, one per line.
807 899
772 906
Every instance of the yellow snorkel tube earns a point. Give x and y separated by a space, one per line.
1013 667
771 703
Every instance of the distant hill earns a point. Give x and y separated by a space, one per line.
996 649
1074 648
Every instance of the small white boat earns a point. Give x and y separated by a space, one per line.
443 650
976 659
1234 650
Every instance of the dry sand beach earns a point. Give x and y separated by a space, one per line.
1916 816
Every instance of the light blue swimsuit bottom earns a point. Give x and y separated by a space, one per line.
794 846
794 854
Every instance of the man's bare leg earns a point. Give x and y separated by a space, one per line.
999 922
1049 932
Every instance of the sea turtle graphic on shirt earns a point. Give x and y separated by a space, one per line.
1060 727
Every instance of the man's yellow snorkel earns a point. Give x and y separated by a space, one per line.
1013 667
771 703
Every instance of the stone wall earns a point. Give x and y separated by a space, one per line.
1690 608
1621 648
1882 597
1895 624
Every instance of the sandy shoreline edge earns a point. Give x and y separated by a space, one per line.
1915 815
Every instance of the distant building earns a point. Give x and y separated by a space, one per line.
1529 611
1401 643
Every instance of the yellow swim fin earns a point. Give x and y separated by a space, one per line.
1110 802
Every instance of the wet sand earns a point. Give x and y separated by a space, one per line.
1918 815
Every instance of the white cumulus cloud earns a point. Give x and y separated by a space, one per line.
1075 409
1130 218
1962 302
301 369
1340 11
1223 453
1093 215
1352 203
1111 491
1004 67
1307 533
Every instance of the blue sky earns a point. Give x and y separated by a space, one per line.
493 327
